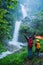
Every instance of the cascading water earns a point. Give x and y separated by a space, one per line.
24 13
16 31
15 36
17 26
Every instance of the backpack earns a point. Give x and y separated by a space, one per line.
30 42
38 45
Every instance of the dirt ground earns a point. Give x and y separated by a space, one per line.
34 61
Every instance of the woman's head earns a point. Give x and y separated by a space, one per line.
37 40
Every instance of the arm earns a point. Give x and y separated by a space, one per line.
26 37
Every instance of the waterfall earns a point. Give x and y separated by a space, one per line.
23 9
17 45
17 26
16 31
18 23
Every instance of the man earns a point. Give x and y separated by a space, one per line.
30 44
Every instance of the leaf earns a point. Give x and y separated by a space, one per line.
10 6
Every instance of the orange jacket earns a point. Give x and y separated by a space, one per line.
38 45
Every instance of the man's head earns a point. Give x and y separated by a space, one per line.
30 37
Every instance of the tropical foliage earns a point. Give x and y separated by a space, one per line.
6 18
37 23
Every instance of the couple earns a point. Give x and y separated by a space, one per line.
30 45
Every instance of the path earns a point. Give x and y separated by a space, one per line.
34 62
41 55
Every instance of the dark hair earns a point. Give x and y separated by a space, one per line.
30 37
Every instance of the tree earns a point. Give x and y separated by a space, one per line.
37 23
6 7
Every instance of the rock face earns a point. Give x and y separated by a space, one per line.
11 47
26 20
